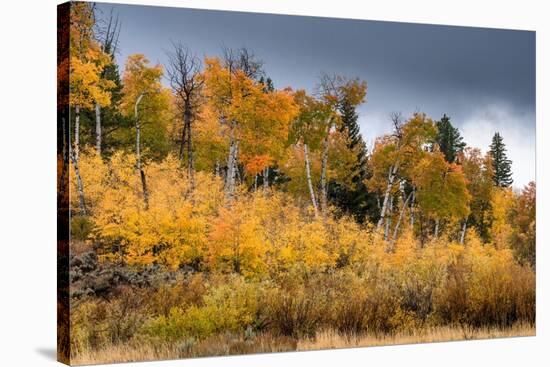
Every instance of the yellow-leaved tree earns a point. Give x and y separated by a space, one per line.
86 87
147 102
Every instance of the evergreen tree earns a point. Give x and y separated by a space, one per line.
449 139
268 84
502 166
357 200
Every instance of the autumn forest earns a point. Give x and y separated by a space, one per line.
213 213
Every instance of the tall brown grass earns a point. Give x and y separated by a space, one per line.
227 344
332 339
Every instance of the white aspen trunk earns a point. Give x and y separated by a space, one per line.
402 212
75 158
463 231
309 183
388 220
255 182
138 154
324 167
436 230
98 128
412 206
230 179
76 147
391 178
266 178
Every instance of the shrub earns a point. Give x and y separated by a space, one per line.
230 307
81 228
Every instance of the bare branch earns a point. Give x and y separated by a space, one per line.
243 59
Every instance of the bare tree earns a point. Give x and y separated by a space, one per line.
107 32
184 72
243 59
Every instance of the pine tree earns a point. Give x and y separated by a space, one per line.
502 166
449 139
357 200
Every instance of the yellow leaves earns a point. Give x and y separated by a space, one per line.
257 236
86 85
172 231
93 172
139 78
212 137
236 242
502 202
87 62
442 191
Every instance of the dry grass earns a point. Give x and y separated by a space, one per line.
220 345
217 345
331 339
124 353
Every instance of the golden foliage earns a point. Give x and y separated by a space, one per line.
87 61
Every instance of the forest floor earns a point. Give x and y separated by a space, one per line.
221 345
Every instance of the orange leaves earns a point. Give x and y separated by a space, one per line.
257 164
236 242
404 149
259 120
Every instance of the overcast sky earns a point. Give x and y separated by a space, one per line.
484 79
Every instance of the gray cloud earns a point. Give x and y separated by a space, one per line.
483 78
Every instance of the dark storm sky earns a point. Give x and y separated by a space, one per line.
483 78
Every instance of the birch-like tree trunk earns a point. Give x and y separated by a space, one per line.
436 230
266 178
412 206
230 178
391 178
388 220
75 157
309 183
324 167
463 231
98 128
65 148
138 154
401 214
